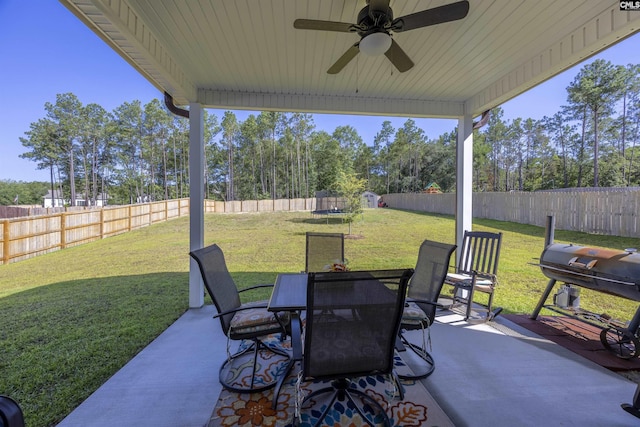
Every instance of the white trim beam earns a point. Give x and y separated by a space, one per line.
329 104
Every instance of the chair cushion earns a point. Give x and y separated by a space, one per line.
465 280
413 314
255 319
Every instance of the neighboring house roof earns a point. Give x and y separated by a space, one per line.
79 196
56 194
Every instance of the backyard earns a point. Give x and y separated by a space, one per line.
72 318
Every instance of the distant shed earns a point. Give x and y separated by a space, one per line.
370 199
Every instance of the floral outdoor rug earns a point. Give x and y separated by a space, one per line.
418 408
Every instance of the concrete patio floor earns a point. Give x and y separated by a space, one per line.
499 375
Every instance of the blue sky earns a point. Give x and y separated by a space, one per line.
46 51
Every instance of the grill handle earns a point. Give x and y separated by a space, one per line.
574 262
590 276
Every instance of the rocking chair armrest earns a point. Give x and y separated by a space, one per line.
474 277
424 301
235 310
250 288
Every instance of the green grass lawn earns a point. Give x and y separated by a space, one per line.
70 319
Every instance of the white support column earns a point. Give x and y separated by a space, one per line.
464 174
196 200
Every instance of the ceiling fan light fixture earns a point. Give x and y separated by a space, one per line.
375 44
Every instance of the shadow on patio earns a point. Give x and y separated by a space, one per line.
500 375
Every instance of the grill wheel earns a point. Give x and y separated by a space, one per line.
620 341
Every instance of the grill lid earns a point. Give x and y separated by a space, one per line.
605 270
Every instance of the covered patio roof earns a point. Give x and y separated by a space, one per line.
244 54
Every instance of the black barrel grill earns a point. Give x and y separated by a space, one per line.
603 270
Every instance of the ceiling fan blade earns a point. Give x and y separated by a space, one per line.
437 15
398 58
313 24
344 60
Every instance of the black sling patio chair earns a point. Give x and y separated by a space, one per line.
476 271
323 250
10 413
249 321
356 339
422 301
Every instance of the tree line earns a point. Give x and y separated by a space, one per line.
138 153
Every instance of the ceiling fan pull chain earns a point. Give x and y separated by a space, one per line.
357 74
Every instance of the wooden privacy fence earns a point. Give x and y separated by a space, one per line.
277 205
26 237
607 211
610 211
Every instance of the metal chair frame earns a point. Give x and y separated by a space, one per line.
424 288
333 366
226 297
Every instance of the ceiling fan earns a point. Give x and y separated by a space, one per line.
375 26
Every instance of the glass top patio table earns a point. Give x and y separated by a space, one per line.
289 293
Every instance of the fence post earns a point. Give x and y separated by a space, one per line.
102 223
63 230
5 242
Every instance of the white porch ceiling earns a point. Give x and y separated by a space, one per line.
245 54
